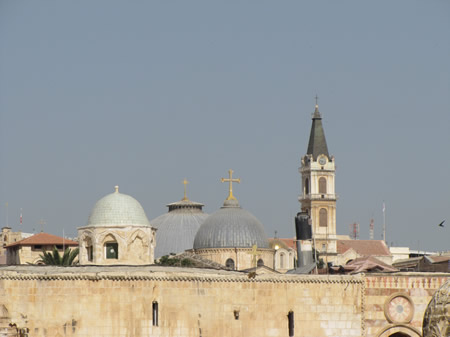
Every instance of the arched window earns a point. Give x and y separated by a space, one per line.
323 221
282 261
322 185
260 263
111 247
306 186
89 249
230 264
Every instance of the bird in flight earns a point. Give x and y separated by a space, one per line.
441 224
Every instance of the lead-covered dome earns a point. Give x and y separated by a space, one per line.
231 227
177 228
117 209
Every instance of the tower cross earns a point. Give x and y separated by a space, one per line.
317 99
231 181
185 182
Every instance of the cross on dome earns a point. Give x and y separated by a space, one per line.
255 253
231 181
185 182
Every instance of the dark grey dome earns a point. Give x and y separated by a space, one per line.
229 227
177 228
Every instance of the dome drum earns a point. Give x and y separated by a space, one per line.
117 232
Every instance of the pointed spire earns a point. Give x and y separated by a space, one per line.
316 110
317 143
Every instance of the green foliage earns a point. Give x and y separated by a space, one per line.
167 260
53 258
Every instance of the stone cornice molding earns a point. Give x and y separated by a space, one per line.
126 276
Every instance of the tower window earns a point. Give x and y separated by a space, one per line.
282 261
155 313
112 250
260 263
306 186
323 221
230 264
322 185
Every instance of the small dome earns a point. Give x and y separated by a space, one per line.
230 227
177 228
117 209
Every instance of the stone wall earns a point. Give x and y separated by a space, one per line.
397 302
118 301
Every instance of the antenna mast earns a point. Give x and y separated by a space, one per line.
354 231
371 229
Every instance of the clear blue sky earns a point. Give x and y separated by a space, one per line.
143 94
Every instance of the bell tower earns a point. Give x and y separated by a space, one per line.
318 196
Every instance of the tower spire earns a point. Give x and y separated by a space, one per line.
317 143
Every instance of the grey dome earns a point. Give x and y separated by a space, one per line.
230 227
177 228
117 209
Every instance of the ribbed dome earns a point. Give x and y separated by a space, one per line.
117 209
230 227
177 228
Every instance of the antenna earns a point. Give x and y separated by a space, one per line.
371 229
42 223
354 231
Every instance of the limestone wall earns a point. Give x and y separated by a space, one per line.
117 301
397 302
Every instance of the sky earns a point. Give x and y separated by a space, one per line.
143 94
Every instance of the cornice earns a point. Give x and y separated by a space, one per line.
180 278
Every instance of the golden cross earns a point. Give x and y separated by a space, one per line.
254 254
231 181
185 182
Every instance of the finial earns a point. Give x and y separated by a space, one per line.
231 181
185 182
117 188
316 110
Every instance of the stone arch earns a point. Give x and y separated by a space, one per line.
260 263
137 247
87 244
322 185
138 234
398 330
323 217
111 247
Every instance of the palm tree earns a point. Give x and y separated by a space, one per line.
55 259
